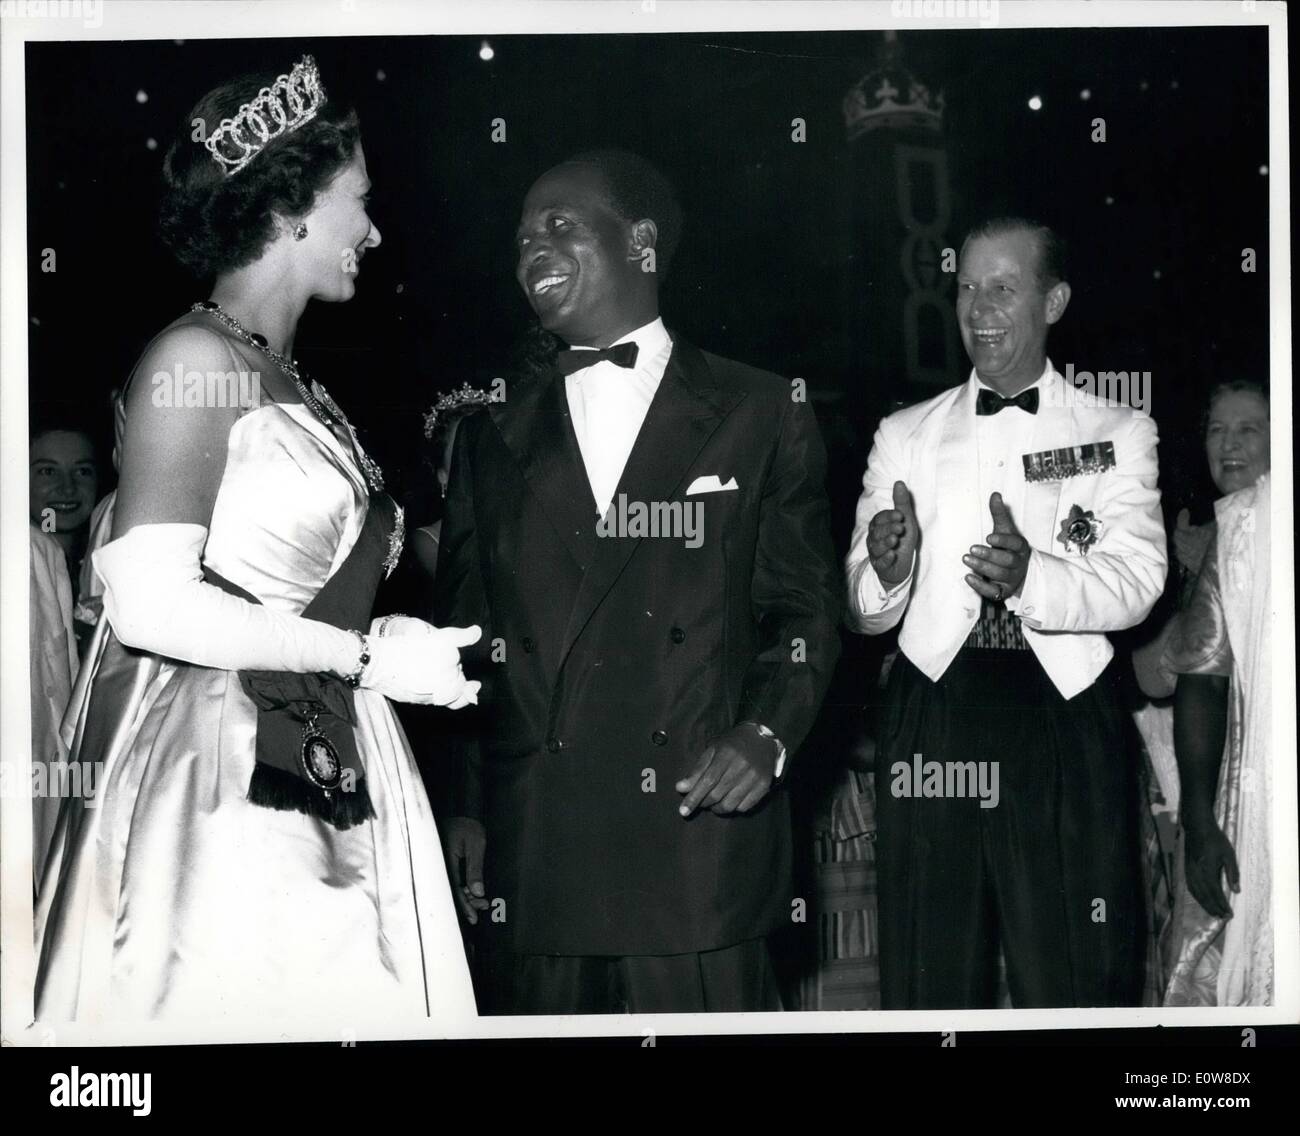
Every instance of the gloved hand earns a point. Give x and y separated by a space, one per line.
413 661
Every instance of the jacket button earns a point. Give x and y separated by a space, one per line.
552 745
677 635
529 644
659 738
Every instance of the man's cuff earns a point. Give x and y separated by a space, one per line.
874 595
778 770
1030 603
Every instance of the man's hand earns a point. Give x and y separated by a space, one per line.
1209 857
465 840
892 537
998 569
733 775
1191 541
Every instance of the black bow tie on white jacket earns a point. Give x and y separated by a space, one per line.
989 402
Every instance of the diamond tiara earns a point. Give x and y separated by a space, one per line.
290 102
467 397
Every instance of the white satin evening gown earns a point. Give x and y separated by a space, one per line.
173 897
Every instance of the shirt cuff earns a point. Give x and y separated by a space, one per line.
779 769
1029 604
874 595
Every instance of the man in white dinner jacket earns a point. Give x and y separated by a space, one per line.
1009 523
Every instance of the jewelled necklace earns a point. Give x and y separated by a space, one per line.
317 399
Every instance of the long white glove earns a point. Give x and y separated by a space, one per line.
156 600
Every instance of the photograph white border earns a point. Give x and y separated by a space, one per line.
223 19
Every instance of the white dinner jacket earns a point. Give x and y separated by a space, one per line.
1070 597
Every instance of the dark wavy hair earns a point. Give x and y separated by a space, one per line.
212 222
61 419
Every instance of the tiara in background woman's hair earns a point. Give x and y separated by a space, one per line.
467 398
290 102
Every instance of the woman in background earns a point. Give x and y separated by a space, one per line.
63 483
440 428
1220 652
63 488
1236 438
1236 432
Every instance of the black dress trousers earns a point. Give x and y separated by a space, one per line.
1050 872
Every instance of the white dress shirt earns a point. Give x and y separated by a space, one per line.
608 405
1000 439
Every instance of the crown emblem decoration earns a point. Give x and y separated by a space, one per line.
290 102
467 398
890 97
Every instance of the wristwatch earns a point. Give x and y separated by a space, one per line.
778 772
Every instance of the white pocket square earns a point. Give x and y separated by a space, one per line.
711 484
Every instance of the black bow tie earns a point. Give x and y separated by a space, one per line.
621 355
987 402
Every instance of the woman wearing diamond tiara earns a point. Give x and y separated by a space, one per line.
259 844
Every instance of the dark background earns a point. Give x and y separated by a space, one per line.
766 269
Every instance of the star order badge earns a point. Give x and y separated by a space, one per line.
319 759
1080 529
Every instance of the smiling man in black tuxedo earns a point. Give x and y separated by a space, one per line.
620 826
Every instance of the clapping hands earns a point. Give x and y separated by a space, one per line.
892 538
998 569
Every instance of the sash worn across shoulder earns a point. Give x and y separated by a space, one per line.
307 757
